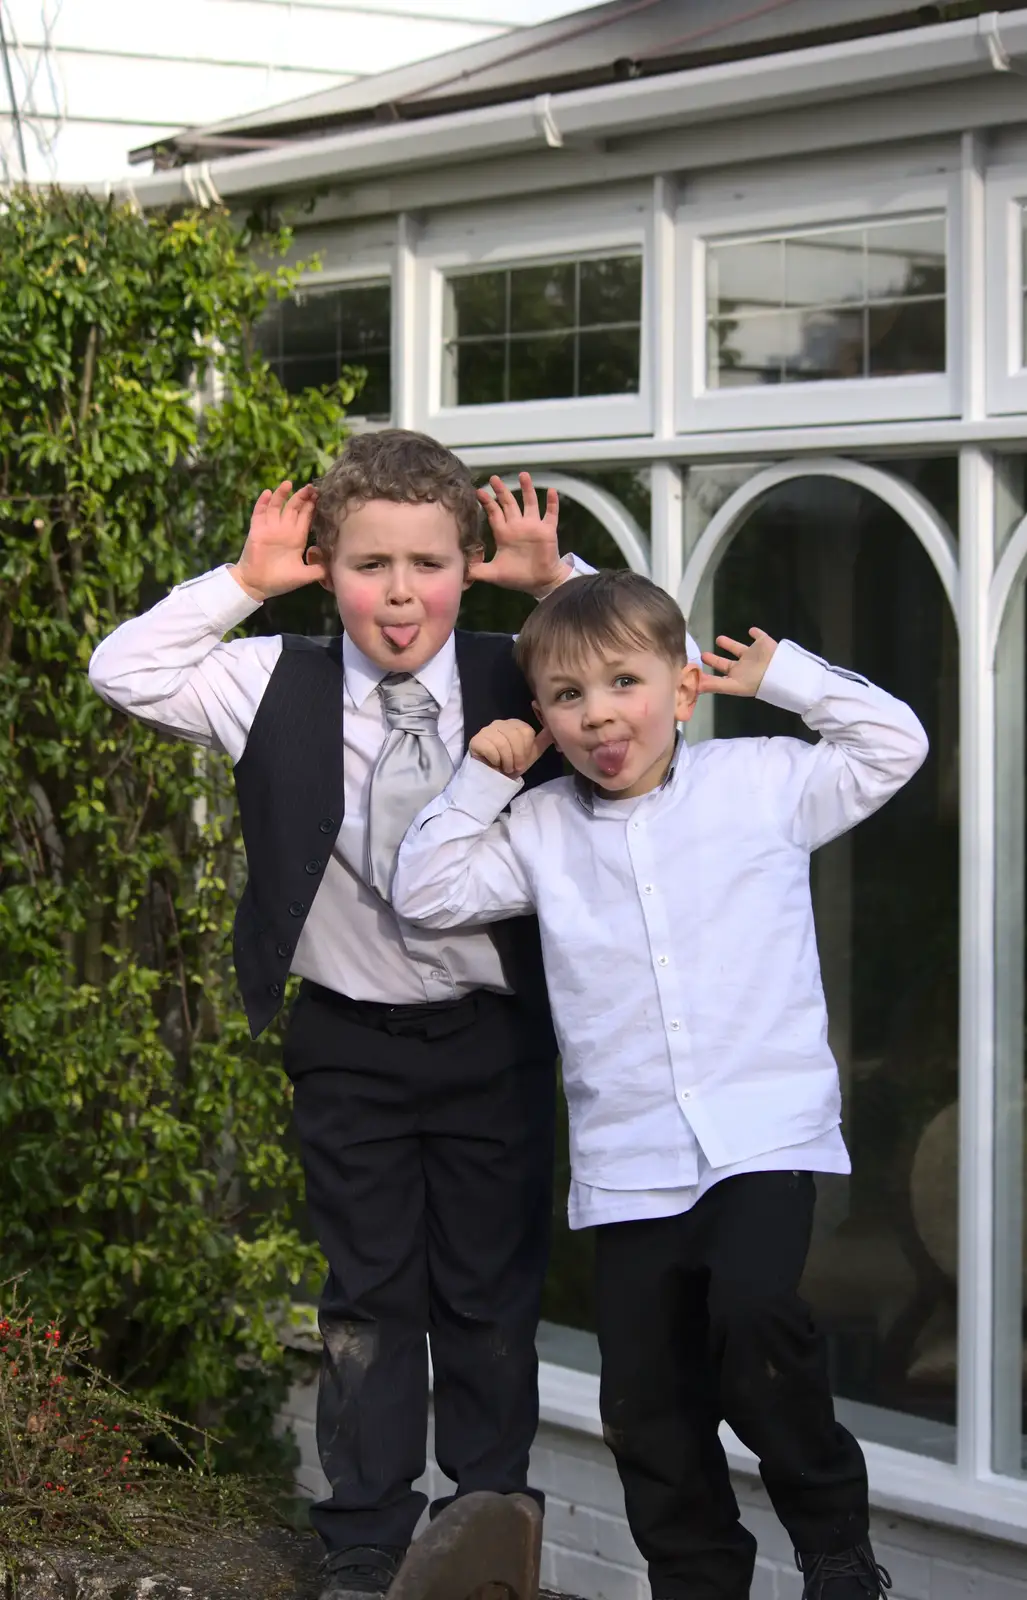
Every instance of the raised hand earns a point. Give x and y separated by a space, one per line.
742 675
510 747
527 554
272 561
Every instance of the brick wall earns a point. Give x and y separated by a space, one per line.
589 1552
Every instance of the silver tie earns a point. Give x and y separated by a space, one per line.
413 768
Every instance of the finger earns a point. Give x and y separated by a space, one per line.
721 663
262 501
711 685
280 495
299 501
478 571
507 753
493 510
485 497
552 515
505 497
541 743
529 495
727 643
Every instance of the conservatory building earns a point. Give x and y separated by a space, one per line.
750 290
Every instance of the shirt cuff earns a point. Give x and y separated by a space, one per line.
481 791
794 680
223 602
576 568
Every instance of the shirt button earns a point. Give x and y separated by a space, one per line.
313 867
438 975
283 949
636 826
686 1094
648 888
297 908
662 960
675 1025
326 825
274 990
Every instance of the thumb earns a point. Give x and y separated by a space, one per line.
543 741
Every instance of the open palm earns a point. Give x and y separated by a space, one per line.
273 558
527 553
743 674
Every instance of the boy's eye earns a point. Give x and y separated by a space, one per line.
433 566
624 680
368 566
565 695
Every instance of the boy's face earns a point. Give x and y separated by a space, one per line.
614 716
398 575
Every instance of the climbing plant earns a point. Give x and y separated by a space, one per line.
148 1191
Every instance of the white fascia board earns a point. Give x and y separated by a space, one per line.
830 72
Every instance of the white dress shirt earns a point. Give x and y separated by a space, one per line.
678 936
171 669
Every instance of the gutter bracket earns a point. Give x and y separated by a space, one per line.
987 24
545 122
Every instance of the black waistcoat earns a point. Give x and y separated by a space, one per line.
290 787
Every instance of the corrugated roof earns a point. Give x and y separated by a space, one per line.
621 39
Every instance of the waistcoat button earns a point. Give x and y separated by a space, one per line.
326 825
297 908
283 949
274 990
313 866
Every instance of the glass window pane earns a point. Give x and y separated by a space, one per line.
610 291
831 566
542 297
823 273
747 348
308 372
608 361
906 258
556 331
749 273
310 324
825 269
906 338
542 368
476 304
825 344
1010 1340
309 340
479 372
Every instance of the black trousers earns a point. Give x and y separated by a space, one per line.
700 1321
426 1135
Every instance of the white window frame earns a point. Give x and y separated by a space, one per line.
1006 195
361 274
554 234
834 400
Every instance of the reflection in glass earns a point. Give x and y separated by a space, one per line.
1023 286
309 340
840 303
829 565
1010 1346
555 331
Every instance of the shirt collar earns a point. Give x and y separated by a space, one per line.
585 789
363 676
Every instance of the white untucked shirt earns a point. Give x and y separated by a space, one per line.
678 936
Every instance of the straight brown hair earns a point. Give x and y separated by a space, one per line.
603 612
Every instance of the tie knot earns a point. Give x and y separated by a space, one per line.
409 706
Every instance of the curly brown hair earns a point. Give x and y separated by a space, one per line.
399 465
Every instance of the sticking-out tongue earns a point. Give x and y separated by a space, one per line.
399 638
609 758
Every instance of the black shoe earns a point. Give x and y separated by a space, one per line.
361 1570
850 1575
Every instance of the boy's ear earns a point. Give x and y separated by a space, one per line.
687 692
314 557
